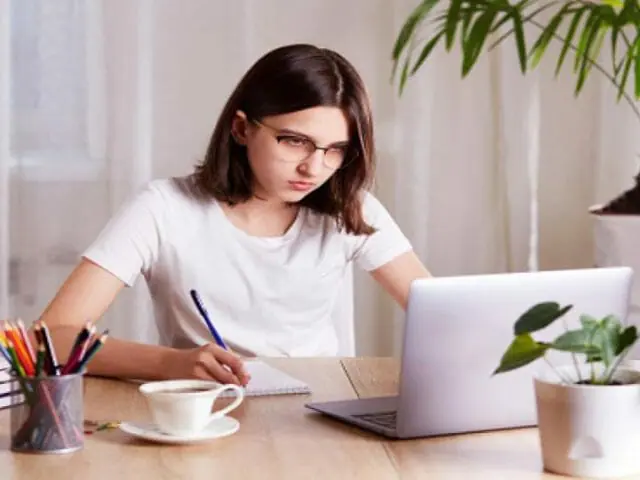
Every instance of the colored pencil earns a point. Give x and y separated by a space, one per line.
42 353
3 348
51 353
93 349
89 341
25 339
17 366
13 335
78 347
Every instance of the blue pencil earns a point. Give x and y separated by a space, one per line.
5 353
207 320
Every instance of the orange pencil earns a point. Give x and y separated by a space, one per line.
19 344
26 341
20 349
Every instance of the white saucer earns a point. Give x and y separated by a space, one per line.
219 428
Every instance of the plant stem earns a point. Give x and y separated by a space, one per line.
564 380
615 365
575 364
573 355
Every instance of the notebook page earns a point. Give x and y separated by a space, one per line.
267 380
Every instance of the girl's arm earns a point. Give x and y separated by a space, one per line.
396 275
86 295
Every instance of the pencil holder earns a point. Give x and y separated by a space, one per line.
48 416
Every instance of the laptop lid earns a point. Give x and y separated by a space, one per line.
457 329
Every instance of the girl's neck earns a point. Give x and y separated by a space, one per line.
262 218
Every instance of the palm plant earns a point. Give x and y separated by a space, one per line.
580 26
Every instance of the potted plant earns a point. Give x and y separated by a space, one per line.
589 410
580 27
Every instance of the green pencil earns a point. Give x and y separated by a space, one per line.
93 349
40 360
17 366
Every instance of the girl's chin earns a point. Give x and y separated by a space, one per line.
292 196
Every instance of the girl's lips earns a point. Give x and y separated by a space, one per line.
301 186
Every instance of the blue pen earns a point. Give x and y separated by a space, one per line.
207 320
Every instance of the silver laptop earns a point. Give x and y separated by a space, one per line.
456 330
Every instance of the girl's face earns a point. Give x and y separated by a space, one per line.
293 154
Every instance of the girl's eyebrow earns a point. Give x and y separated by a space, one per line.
342 143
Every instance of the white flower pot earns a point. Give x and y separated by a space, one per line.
589 431
617 243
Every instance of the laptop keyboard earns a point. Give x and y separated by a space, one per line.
383 419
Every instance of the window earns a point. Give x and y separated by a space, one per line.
54 95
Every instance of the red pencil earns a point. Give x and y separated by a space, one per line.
79 348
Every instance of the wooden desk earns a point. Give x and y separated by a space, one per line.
508 455
280 439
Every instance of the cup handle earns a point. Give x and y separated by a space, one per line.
233 405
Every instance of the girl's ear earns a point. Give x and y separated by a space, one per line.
240 127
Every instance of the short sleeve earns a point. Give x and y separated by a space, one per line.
129 243
373 251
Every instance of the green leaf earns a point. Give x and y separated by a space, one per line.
539 316
588 49
472 46
451 24
404 75
522 351
606 338
568 39
426 51
627 338
521 48
614 3
540 46
628 61
576 341
614 50
467 16
588 322
530 17
581 49
415 18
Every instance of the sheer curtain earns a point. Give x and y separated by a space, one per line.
74 125
492 173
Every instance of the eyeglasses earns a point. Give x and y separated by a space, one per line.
294 148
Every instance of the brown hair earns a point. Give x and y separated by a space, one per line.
286 80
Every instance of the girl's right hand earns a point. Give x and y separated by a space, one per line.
208 362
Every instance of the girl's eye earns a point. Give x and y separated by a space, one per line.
293 141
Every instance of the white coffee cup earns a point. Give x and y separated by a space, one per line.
183 407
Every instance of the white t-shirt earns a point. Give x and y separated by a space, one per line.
270 296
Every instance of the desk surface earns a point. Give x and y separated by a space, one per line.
280 439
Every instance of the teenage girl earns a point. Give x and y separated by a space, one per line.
263 229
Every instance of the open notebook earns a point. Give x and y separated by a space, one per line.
267 380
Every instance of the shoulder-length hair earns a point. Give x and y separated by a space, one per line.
286 80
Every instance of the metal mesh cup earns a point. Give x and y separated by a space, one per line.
48 416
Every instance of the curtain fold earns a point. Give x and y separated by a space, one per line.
4 157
